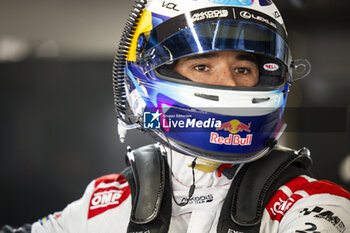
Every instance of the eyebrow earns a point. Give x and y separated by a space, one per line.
240 57
202 56
247 57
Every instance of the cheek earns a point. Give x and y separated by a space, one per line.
248 81
179 68
254 79
199 77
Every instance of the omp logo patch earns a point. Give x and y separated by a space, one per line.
110 192
105 198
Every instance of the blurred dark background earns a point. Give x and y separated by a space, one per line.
57 124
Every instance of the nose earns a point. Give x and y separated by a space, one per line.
224 76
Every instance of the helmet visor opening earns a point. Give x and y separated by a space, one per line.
272 74
222 35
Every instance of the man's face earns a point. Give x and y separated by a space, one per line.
224 68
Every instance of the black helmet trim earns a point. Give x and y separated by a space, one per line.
178 23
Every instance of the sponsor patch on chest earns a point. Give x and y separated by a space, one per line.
109 193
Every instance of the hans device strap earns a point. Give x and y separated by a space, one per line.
255 184
251 189
148 177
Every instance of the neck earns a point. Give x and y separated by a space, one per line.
205 171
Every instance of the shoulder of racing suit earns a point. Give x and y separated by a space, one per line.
298 204
105 205
305 204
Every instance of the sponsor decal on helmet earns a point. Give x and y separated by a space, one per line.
249 15
234 140
181 22
271 67
234 126
170 6
209 14
229 2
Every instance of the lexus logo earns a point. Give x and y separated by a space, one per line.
245 14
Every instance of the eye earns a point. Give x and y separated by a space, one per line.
201 68
242 70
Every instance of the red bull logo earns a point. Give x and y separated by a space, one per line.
233 126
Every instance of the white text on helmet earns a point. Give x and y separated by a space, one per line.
248 15
209 15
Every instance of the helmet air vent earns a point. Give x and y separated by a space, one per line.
260 100
208 97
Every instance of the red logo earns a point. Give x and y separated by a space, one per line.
235 126
271 67
280 203
281 206
110 192
234 140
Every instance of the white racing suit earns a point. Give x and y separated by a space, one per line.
301 205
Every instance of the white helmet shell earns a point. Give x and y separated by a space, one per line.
177 7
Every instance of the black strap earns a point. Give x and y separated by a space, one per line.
148 177
251 189
255 184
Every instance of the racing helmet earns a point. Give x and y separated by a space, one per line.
227 124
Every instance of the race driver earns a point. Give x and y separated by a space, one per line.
208 79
